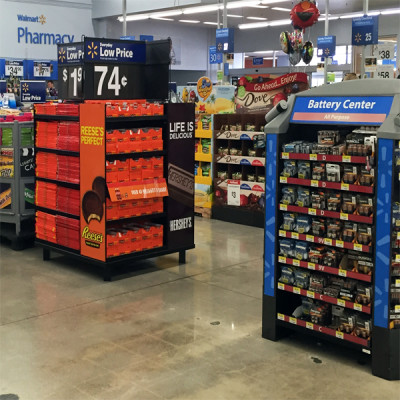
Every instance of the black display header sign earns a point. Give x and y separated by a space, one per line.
70 54
180 175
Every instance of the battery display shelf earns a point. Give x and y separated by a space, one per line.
17 210
332 197
102 195
239 161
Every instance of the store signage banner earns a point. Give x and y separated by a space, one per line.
385 71
70 54
27 162
259 94
115 51
342 110
127 37
326 46
225 40
384 51
42 69
148 38
258 61
135 191
14 68
365 31
214 57
33 91
181 125
3 86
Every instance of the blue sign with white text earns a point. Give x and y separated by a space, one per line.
258 61
215 58
226 69
127 37
33 91
365 30
123 51
147 38
70 54
366 110
3 86
224 40
326 46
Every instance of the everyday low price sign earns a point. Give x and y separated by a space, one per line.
33 91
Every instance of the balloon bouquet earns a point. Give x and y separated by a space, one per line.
303 15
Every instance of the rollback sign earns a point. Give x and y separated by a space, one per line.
259 95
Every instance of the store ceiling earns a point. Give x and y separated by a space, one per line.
267 12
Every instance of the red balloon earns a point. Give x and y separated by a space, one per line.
242 81
304 14
277 98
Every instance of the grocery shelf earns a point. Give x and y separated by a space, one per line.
238 135
327 270
327 214
326 241
325 298
203 157
327 185
50 117
59 151
57 212
140 154
289 322
324 158
136 217
139 118
242 160
203 134
60 183
203 180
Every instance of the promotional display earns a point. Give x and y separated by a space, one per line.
365 30
33 91
331 218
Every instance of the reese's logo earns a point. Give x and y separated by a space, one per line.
92 239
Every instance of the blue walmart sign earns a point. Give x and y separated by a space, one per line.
121 51
70 54
33 91
365 30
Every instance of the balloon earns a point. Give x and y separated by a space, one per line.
307 52
304 14
296 40
295 57
295 88
284 39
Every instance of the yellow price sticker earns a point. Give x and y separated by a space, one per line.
312 211
282 259
339 243
339 335
398 235
357 307
344 216
285 156
283 207
296 290
281 286
328 242
296 262
283 179
314 183
309 325
295 235
310 294
293 320
281 317
282 233
344 186
397 257
358 247
310 238
346 158
397 308
341 303
342 272
313 157
311 266
397 283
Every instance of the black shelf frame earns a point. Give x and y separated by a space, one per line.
49 117
69 185
56 212
59 151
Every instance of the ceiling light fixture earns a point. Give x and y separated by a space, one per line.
280 22
258 18
254 25
190 21
281 9
138 17
273 1
259 6
162 18
210 23
241 4
347 16
234 16
170 13
263 51
195 10
389 12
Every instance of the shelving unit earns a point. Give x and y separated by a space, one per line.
239 159
17 182
334 287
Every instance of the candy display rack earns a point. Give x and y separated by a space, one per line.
331 233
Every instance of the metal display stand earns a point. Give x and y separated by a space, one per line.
307 113
20 179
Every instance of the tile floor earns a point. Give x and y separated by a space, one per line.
164 332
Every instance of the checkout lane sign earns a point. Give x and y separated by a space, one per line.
367 110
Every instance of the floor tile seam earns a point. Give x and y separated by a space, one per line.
93 301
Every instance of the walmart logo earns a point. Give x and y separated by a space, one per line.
61 55
25 87
92 50
26 18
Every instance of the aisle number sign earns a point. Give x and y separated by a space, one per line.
224 40
233 197
342 110
326 46
214 57
365 30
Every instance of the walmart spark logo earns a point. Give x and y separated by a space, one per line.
61 55
42 19
327 52
358 38
92 50
25 87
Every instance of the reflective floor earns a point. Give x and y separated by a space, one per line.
163 332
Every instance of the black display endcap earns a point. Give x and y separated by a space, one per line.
238 215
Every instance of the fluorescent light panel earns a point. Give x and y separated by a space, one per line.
281 9
170 13
210 23
257 18
190 21
233 16
162 19
195 10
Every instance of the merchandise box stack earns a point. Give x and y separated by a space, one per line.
46 134
67 232
46 165
68 200
68 169
68 136
46 195
46 226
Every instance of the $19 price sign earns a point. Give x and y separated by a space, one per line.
71 82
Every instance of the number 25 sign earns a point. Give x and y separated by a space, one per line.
365 31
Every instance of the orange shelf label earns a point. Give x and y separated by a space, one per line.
139 190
